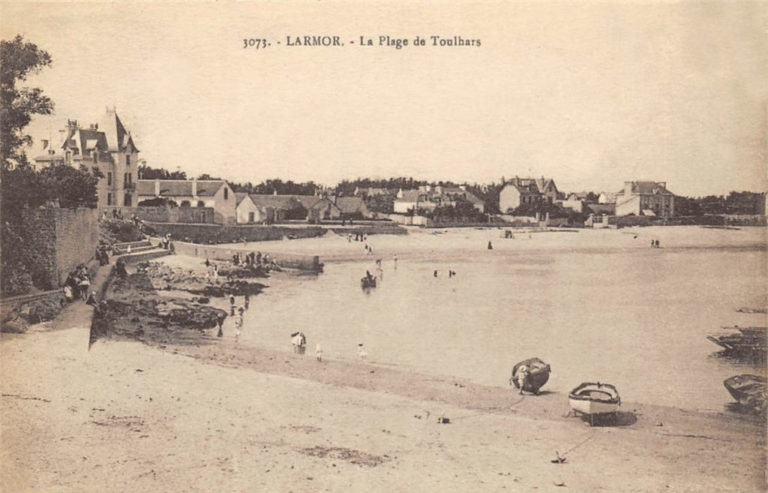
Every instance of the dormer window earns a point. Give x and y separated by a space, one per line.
128 160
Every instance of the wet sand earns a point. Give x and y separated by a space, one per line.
128 417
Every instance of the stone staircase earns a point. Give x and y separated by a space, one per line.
140 251
135 246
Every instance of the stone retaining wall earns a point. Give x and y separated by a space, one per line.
286 260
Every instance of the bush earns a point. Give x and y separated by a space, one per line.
120 231
16 280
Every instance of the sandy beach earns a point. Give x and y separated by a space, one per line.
126 416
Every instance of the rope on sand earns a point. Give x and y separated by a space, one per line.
589 437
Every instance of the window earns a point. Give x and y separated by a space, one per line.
251 217
184 203
226 193
127 200
109 199
200 203
109 178
128 160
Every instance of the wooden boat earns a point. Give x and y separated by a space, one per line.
538 375
749 391
367 283
594 399
748 340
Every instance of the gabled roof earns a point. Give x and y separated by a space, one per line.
179 188
280 202
473 199
240 196
601 208
411 196
649 188
307 201
351 205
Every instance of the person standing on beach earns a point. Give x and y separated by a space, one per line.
490 246
238 326
232 304
247 300
522 377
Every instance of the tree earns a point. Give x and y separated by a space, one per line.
18 60
149 173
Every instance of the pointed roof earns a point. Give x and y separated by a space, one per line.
117 136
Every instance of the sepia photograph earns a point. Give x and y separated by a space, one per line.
380 246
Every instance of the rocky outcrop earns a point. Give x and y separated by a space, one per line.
162 277
132 308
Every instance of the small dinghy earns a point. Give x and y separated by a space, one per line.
749 391
538 375
367 283
594 399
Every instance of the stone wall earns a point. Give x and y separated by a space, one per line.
285 260
60 239
217 233
192 215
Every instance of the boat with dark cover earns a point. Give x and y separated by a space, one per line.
749 391
538 375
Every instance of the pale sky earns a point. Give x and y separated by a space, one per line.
588 94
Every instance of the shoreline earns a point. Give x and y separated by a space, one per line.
265 424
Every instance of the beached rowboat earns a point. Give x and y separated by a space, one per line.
538 375
748 340
594 399
749 391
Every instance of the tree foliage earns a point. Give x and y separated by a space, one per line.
19 59
149 173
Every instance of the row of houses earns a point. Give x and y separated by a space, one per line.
109 148
230 207
639 198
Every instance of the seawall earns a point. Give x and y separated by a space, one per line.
285 260
218 233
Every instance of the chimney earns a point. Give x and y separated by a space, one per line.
194 187
157 187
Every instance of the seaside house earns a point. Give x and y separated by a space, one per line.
352 208
527 191
573 202
371 192
645 198
607 198
247 212
216 194
428 198
106 146
277 208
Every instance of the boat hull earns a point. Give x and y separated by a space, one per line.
749 391
589 407
594 399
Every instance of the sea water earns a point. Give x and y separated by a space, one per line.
596 305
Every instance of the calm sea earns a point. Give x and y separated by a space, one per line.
596 305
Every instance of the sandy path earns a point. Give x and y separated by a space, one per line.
127 417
